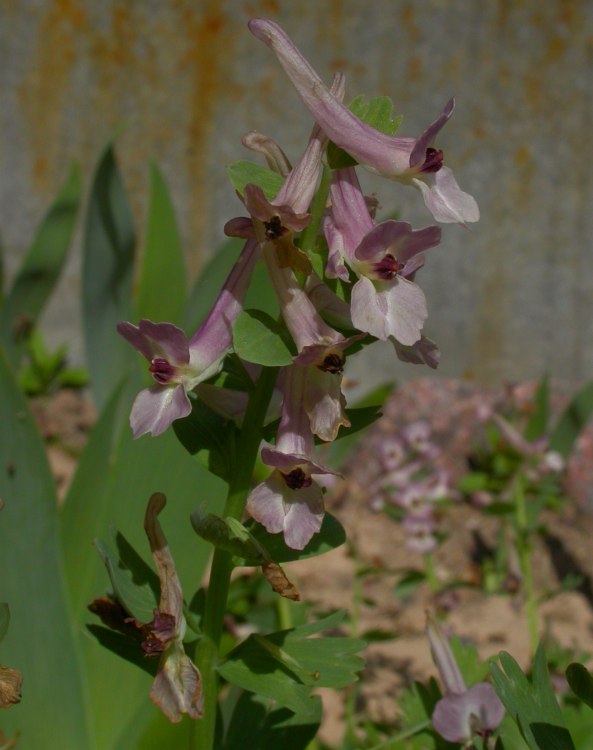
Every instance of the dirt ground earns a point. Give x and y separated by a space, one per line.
492 623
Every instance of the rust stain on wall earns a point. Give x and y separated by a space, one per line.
208 45
42 93
408 18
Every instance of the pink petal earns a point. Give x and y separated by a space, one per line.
157 340
395 308
446 201
455 715
156 408
324 403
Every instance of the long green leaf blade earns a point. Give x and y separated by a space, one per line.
40 270
161 284
108 261
122 474
572 421
40 640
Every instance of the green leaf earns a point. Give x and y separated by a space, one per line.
41 640
270 728
108 261
330 536
161 283
377 112
472 668
115 478
581 682
286 665
538 422
228 534
209 437
40 270
532 704
572 422
243 173
260 339
417 704
123 647
4 619
408 583
135 583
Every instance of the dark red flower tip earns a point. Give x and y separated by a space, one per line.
297 479
387 268
433 161
162 371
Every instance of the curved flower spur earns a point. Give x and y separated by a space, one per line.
413 161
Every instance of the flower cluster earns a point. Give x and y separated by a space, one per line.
411 482
364 289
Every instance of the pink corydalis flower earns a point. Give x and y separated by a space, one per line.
411 160
385 301
178 364
320 348
276 221
463 712
290 500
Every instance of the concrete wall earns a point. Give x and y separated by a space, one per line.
510 298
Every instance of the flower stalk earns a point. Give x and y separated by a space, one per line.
202 737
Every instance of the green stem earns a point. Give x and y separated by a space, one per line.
352 691
524 549
283 613
203 731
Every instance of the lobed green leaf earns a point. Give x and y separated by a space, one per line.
243 173
260 339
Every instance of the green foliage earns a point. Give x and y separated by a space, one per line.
115 477
134 583
40 640
417 705
409 582
287 665
4 619
269 727
162 275
572 422
532 703
230 535
108 263
39 272
538 422
209 437
46 370
377 112
243 173
330 536
260 339
581 682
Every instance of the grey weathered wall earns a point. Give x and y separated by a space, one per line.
510 298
